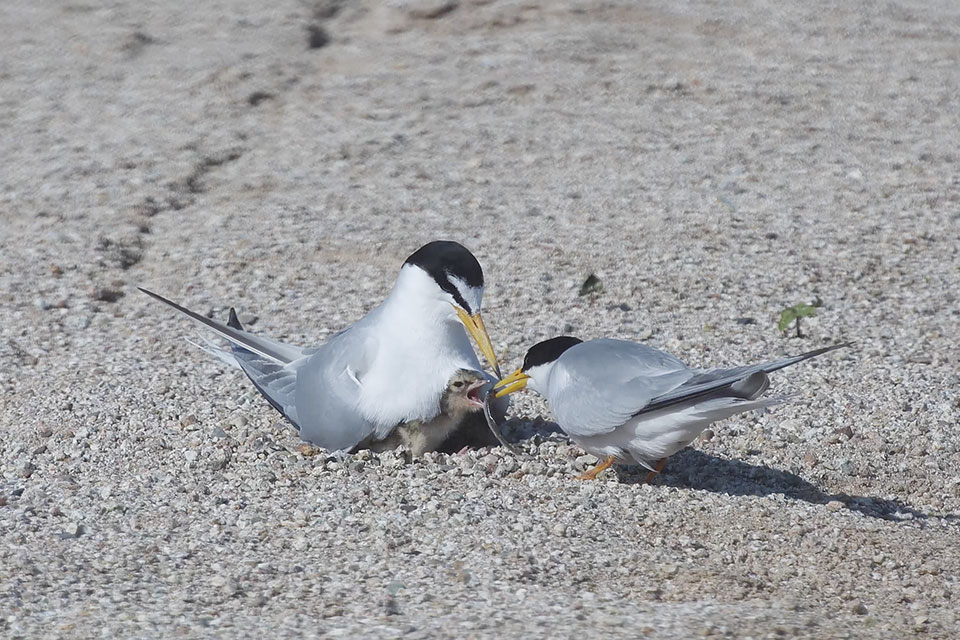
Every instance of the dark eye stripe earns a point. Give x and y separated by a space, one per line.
443 259
450 288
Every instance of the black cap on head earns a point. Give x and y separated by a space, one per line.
548 351
443 258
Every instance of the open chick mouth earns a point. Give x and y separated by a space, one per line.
475 394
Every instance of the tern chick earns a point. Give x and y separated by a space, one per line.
628 402
462 398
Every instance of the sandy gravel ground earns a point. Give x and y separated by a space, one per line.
710 162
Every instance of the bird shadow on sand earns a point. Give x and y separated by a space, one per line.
694 469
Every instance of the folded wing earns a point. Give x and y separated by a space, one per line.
606 382
319 392
598 385
316 389
745 382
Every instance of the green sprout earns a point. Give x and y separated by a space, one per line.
796 313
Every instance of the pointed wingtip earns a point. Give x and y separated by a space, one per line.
156 296
173 304
786 362
234 322
269 349
833 347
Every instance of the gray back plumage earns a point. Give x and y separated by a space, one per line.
599 384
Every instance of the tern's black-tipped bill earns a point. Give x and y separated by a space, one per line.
476 328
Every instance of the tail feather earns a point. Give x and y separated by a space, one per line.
215 350
720 408
265 347
751 386
264 361
234 322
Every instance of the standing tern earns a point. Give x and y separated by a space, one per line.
389 368
628 402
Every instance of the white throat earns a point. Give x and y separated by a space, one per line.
540 377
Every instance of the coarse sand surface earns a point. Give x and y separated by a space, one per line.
710 163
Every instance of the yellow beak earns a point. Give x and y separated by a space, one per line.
513 382
478 331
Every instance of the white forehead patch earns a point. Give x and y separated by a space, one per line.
473 296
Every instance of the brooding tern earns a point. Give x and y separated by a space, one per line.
628 402
389 368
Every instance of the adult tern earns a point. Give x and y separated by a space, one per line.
629 402
389 368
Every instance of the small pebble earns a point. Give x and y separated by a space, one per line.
586 460
846 432
106 294
317 37
308 450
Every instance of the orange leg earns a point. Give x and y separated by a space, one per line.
593 473
657 469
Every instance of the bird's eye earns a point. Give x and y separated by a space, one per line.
458 384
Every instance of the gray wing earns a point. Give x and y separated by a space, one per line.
747 382
319 393
276 382
264 347
316 389
598 385
327 390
